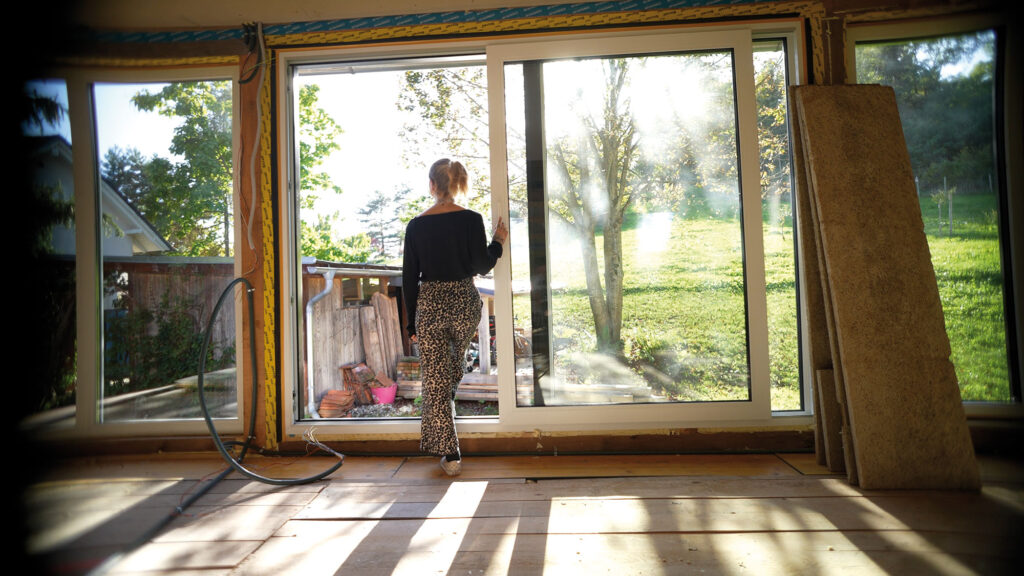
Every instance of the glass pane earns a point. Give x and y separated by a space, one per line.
367 138
945 92
635 276
50 288
167 227
519 238
770 86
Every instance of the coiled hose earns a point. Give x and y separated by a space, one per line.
144 537
237 463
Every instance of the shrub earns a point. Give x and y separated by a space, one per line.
151 348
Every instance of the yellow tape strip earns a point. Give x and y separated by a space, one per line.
269 281
817 49
547 22
944 9
115 62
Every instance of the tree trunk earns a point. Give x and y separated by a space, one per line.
598 306
227 228
613 277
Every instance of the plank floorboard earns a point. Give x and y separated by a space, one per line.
176 556
492 547
180 466
603 466
762 514
216 523
340 500
805 463
593 515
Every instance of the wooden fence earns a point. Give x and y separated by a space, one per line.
143 282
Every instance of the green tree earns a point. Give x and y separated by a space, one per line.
320 241
43 112
318 133
160 191
189 202
946 116
598 183
49 281
382 218
772 125
696 175
204 177
452 102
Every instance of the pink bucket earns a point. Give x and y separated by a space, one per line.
385 395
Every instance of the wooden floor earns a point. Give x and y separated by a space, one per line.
679 514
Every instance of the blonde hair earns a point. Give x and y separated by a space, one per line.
449 178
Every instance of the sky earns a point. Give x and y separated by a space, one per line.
119 122
368 158
56 90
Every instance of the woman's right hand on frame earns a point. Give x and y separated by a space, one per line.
500 231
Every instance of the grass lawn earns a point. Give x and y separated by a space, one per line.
967 269
684 322
684 313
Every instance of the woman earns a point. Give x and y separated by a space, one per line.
445 247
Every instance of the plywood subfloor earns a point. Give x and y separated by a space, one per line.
658 514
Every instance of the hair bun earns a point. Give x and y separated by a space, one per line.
449 177
458 179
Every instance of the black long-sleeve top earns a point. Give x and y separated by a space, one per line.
444 246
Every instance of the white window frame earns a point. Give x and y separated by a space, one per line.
89 260
512 418
1013 92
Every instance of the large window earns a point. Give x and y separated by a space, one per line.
947 91
166 200
640 201
151 241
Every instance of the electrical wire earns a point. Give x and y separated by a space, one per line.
256 44
261 63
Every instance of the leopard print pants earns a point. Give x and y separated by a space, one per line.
447 314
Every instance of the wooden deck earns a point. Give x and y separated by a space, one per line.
657 514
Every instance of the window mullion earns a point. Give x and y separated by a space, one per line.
88 270
533 84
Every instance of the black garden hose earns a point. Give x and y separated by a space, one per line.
144 537
236 463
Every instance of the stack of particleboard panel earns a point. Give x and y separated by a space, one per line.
828 418
894 376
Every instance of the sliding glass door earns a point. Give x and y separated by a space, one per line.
636 260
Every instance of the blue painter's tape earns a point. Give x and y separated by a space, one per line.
496 14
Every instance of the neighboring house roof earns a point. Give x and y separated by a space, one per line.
144 237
